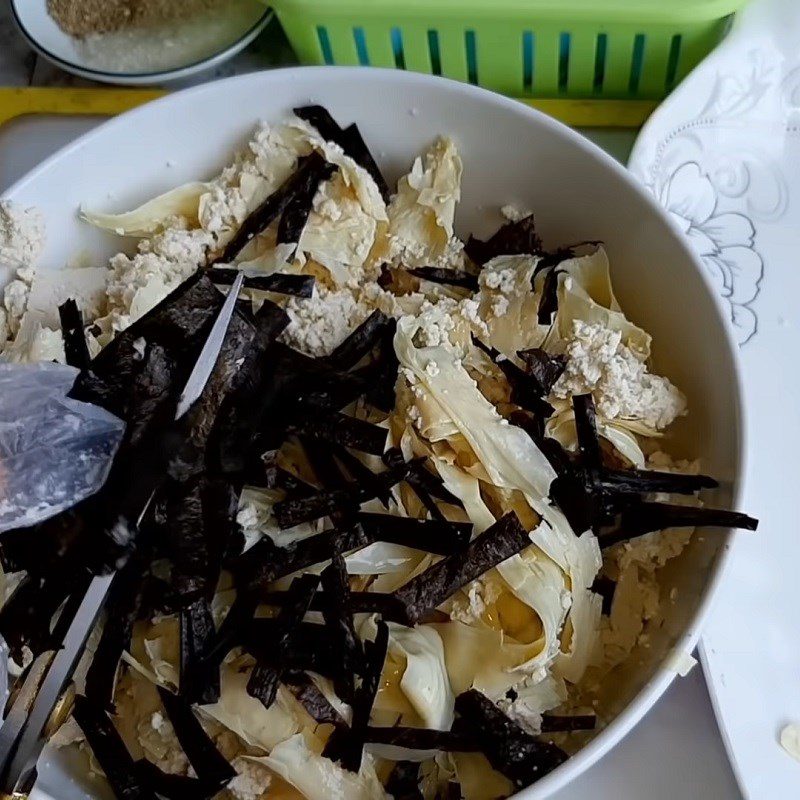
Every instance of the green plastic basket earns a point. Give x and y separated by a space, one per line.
546 48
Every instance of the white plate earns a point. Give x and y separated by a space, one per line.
723 154
210 44
511 154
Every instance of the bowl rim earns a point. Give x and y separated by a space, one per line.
134 78
666 671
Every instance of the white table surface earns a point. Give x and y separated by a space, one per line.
676 752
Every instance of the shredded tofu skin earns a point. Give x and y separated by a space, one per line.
530 633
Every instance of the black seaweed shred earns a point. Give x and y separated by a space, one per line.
110 751
312 649
312 699
526 391
349 139
293 511
586 428
513 238
76 351
278 282
346 745
605 587
263 681
387 605
295 215
548 302
452 277
522 758
560 460
423 739
433 586
358 343
338 615
552 723
313 170
641 481
197 636
362 474
420 476
211 767
403 782
434 536
344 430
265 561
543 368
644 517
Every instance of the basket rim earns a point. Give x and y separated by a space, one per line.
630 12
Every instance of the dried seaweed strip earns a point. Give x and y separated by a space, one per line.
605 587
186 540
383 374
26 616
362 474
240 339
522 758
324 466
645 517
293 511
349 139
420 477
122 611
211 767
344 430
586 428
263 681
641 481
513 238
311 698
169 786
423 739
526 391
312 649
552 723
313 170
403 781
278 282
443 538
354 145
433 586
554 452
76 350
197 638
451 277
295 215
152 390
347 745
110 751
543 368
338 615
265 562
359 342
548 302
387 605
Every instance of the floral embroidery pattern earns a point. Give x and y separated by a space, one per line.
724 242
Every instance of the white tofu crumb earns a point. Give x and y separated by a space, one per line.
503 280
21 235
622 387
252 780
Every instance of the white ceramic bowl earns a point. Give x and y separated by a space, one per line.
511 154
209 48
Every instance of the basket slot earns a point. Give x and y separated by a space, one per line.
398 48
378 42
342 44
582 63
472 56
637 62
360 40
499 64
326 54
674 60
528 49
695 46
452 52
600 54
434 52
653 79
546 61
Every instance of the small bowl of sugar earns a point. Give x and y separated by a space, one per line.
139 41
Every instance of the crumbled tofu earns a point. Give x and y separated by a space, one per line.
252 780
622 387
21 235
